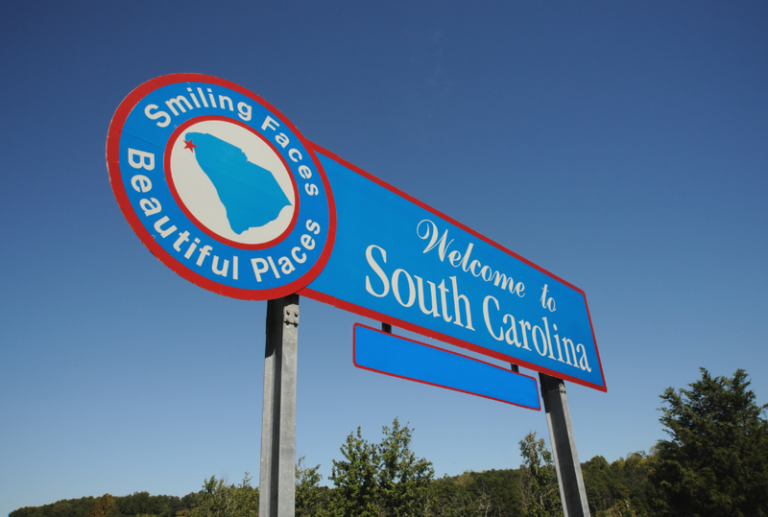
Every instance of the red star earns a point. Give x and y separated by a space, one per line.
189 145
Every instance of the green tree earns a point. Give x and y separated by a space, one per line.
617 489
541 494
136 504
218 499
716 460
309 494
385 479
141 503
403 478
355 478
102 507
476 494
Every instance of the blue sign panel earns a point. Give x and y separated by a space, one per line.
399 261
393 355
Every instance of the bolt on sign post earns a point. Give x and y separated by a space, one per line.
224 190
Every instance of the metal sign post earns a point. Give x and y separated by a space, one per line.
278 425
571 482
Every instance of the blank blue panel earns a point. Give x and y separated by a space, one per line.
393 355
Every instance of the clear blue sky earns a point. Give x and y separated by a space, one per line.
622 146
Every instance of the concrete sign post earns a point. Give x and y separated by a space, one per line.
278 427
570 480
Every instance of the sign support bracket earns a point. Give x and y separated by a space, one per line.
277 483
570 480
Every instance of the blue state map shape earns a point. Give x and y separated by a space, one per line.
250 194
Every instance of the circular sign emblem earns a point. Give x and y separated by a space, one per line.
221 187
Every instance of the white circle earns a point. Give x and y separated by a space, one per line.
200 196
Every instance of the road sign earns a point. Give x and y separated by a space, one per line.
223 188
220 186
407 359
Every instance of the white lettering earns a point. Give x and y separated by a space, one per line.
547 302
150 206
282 140
194 99
523 326
204 252
191 249
508 318
427 230
183 237
145 161
272 265
215 267
210 96
305 172
313 227
176 103
311 189
487 318
557 340
536 341
549 341
307 241
430 229
286 266
298 258
259 266
433 311
567 342
583 362
159 227
202 96
444 301
244 111
159 114
270 123
396 287
228 101
457 308
377 269
141 183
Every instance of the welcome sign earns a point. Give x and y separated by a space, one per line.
224 190
220 186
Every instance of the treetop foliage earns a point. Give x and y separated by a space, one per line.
380 479
541 494
137 504
716 460
218 499
715 463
